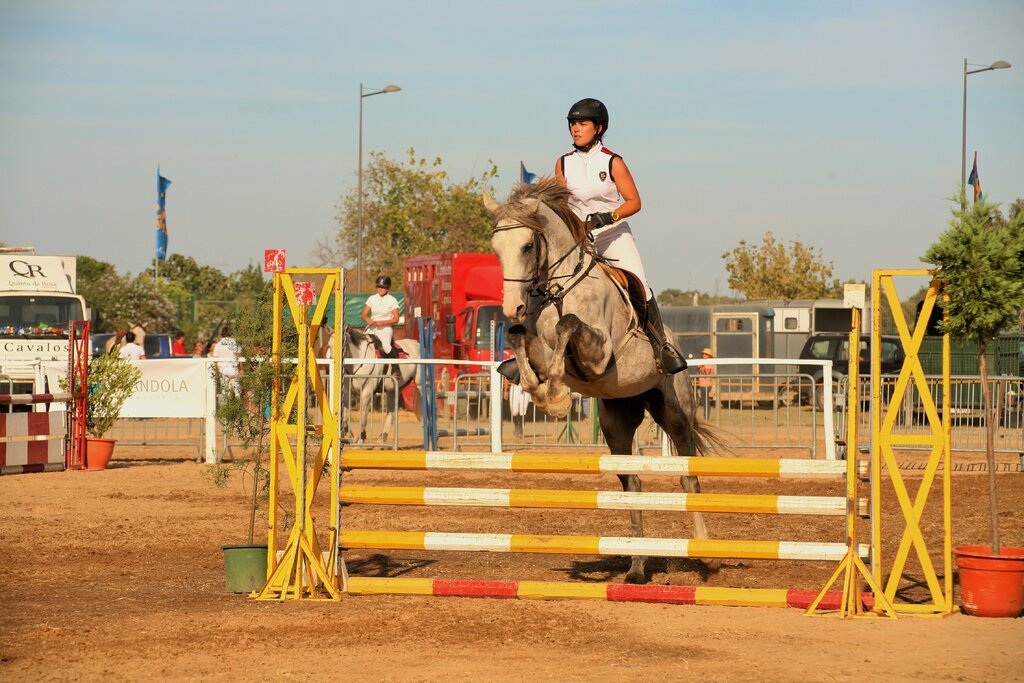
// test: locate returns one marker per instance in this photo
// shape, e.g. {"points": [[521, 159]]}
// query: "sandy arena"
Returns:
{"points": [[119, 574]]}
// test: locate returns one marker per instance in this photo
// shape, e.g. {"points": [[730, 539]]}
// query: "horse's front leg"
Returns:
{"points": [[388, 388], [365, 403], [518, 338], [590, 346], [557, 394]]}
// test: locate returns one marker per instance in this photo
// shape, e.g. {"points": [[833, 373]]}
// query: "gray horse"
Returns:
{"points": [[357, 344], [574, 331]]}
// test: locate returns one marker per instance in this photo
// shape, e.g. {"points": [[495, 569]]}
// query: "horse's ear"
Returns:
{"points": [[489, 203], [531, 205]]}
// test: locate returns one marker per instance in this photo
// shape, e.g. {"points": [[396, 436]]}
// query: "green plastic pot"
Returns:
{"points": [[245, 567]]}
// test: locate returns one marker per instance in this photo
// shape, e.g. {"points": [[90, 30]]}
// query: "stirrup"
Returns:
{"points": [[509, 369]]}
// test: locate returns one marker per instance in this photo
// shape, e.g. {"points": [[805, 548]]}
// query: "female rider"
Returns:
{"points": [[604, 195], [380, 313]]}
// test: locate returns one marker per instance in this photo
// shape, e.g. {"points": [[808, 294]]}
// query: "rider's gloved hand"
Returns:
{"points": [[599, 220]]}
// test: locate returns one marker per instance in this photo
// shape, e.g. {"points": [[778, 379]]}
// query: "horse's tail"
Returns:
{"points": [[707, 438]]}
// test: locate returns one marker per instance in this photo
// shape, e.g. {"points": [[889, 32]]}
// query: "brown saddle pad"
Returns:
{"points": [[631, 283]]}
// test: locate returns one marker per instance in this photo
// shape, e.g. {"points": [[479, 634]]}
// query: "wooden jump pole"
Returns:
{"points": [[595, 500], [765, 468]]}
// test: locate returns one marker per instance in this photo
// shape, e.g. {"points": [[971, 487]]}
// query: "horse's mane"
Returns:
{"points": [[553, 194]]}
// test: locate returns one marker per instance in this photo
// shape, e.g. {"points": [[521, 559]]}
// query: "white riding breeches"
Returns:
{"points": [[384, 333], [616, 243]]}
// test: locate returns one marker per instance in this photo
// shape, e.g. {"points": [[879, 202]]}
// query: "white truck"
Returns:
{"points": [[38, 301]]}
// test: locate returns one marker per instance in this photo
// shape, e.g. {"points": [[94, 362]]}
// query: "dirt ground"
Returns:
{"points": [[119, 574]]}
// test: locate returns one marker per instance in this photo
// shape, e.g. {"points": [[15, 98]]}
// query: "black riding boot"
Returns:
{"points": [[671, 360], [509, 369]]}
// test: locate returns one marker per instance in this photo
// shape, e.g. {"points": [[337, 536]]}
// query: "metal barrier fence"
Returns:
{"points": [[776, 410], [755, 410], [967, 422]]}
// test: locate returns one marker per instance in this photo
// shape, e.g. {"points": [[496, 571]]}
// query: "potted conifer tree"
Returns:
{"points": [[981, 264], [112, 381]]}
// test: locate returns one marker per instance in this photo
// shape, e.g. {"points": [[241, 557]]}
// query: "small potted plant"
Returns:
{"points": [[981, 265], [112, 381], [243, 411]]}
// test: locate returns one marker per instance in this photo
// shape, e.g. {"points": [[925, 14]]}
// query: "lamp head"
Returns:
{"points": [[395, 88]]}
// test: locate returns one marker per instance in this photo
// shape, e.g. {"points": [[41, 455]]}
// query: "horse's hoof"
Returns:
{"points": [[713, 565], [559, 408], [636, 577]]}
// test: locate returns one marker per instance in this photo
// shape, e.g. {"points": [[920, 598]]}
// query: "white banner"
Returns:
{"points": [[169, 388]]}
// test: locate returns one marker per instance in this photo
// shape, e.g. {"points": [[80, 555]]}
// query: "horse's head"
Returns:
{"points": [[526, 230]]}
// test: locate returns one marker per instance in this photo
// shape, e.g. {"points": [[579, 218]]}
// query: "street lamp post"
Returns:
{"points": [[363, 94], [963, 148]]}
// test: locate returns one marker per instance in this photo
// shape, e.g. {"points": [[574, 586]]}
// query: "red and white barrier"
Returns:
{"points": [[32, 442]]}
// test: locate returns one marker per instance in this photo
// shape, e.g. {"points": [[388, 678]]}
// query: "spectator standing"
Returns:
{"points": [[705, 382], [197, 349], [130, 349], [227, 350], [178, 347]]}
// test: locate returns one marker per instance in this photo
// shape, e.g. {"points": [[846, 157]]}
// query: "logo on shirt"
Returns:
{"points": [[603, 176]]}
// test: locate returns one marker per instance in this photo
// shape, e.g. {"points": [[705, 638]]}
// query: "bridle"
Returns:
{"points": [[542, 286]]}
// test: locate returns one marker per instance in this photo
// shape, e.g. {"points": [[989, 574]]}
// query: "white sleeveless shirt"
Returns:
{"points": [[588, 176]]}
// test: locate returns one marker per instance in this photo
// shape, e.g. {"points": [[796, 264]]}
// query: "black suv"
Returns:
{"points": [[835, 346]]}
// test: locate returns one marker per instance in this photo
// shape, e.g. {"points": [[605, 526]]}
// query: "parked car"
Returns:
{"points": [[835, 346], [155, 345]]}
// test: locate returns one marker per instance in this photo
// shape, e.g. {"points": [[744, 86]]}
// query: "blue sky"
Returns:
{"points": [[835, 123]]}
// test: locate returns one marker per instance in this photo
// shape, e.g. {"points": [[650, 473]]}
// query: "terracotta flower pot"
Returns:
{"points": [[991, 585], [98, 452]]}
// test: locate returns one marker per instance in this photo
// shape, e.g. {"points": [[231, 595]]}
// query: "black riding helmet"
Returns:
{"points": [[590, 109], [384, 281]]}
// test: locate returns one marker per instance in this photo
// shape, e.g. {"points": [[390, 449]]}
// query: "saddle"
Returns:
{"points": [[396, 352], [632, 287]]}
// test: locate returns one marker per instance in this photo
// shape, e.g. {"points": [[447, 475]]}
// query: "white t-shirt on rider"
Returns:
{"points": [[382, 308]]}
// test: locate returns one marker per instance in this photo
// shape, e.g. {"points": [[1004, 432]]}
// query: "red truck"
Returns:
{"points": [[462, 293]]}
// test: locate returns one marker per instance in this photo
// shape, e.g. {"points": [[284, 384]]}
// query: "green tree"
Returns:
{"points": [[206, 282], [774, 271], [981, 264], [678, 297], [90, 269], [408, 208], [121, 301]]}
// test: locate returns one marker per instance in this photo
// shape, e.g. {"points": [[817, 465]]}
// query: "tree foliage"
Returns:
{"points": [[123, 301], [408, 208], [981, 265], [678, 297], [773, 270], [167, 305]]}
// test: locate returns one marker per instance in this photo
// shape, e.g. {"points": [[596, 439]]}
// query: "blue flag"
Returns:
{"points": [[525, 176], [975, 181], [161, 215]]}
